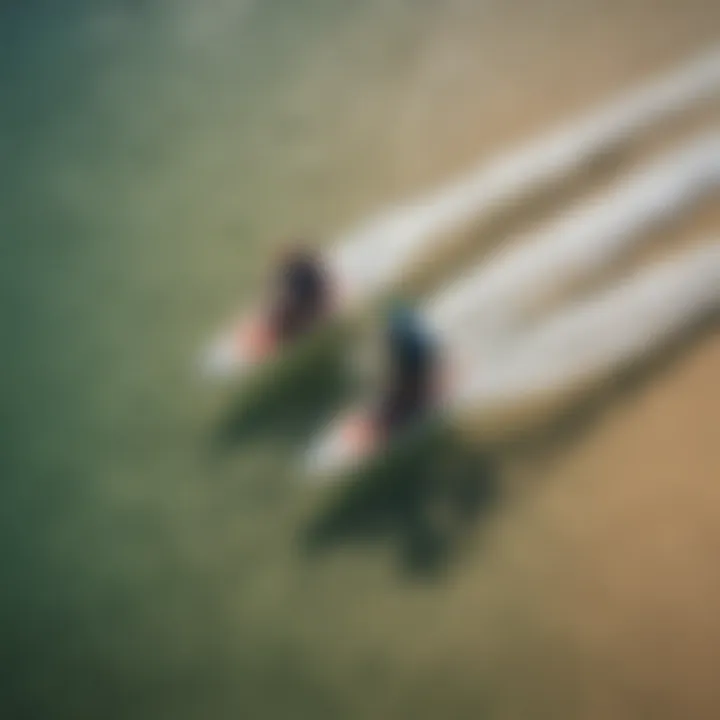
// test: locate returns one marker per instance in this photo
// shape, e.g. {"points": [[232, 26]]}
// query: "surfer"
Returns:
{"points": [[301, 293], [412, 368]]}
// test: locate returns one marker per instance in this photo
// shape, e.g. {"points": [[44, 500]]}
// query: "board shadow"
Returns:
{"points": [[424, 503], [287, 412]]}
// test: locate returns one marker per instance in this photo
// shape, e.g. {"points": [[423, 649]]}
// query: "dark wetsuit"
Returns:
{"points": [[413, 361], [302, 296]]}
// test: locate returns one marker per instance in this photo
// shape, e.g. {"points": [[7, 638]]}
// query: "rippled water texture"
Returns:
{"points": [[152, 156]]}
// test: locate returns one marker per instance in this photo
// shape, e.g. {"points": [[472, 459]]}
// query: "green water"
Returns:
{"points": [[153, 154]]}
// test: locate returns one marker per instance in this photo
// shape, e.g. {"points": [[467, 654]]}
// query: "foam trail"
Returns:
{"points": [[528, 377], [582, 242], [595, 338], [375, 255]]}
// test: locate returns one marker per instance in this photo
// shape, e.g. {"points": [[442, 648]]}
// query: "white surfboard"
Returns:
{"points": [[479, 317], [571, 352], [369, 260], [492, 298]]}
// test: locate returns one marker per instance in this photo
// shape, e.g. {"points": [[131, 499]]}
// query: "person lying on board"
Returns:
{"points": [[301, 293], [413, 368]]}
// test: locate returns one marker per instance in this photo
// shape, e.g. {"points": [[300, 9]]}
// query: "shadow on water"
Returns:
{"points": [[423, 501], [289, 400], [426, 500]]}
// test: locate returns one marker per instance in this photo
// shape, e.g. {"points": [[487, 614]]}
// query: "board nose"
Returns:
{"points": [[343, 444]]}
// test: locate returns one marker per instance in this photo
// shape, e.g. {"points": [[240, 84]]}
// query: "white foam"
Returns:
{"points": [[582, 242], [368, 259], [595, 338]]}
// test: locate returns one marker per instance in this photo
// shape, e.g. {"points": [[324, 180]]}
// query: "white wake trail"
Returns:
{"points": [[595, 338], [374, 256], [487, 303], [551, 364]]}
